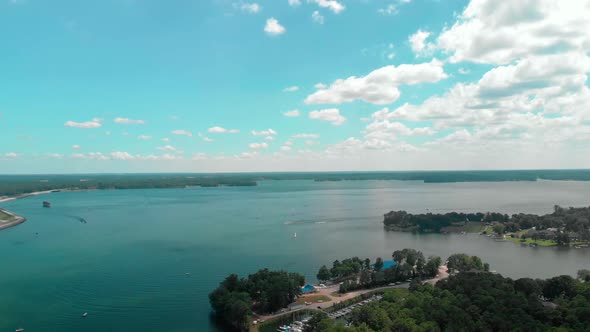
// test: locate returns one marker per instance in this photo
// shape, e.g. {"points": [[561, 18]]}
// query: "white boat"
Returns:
{"points": [[85, 314], [295, 235], [20, 330]]}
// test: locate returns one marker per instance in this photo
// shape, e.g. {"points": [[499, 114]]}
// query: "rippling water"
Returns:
{"points": [[122, 256]]}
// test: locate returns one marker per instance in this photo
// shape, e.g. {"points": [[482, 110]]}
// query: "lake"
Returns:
{"points": [[127, 264]]}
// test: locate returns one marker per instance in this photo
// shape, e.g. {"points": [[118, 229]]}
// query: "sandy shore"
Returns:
{"points": [[16, 219], [12, 198]]}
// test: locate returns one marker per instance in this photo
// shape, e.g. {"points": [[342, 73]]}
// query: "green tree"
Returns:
{"points": [[499, 228], [323, 273]]}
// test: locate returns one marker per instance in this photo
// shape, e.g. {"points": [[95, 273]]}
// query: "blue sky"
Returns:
{"points": [[146, 85]]}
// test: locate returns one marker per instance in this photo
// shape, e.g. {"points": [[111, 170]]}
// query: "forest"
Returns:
{"points": [[474, 301], [265, 291]]}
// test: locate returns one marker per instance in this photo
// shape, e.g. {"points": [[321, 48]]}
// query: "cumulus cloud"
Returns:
{"points": [[317, 17], [419, 44], [76, 147], [320, 86], [94, 123], [182, 132], [128, 121], [291, 89], [294, 3], [11, 155], [144, 137], [166, 148], [333, 5], [304, 135], [120, 155], [499, 32], [388, 10], [380, 86], [331, 115], [273, 27], [292, 113], [258, 146], [267, 132], [251, 8], [221, 130]]}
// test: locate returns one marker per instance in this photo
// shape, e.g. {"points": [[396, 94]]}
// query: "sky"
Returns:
{"points": [[293, 85]]}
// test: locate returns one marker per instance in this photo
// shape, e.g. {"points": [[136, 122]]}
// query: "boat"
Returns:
{"points": [[295, 235], [85, 314], [46, 204], [20, 330]]}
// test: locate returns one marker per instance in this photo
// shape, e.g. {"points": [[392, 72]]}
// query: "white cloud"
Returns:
{"points": [[380, 86], [54, 155], [267, 132], [94, 123], [251, 8], [144, 137], [390, 9], [273, 27], [292, 113], [119, 155], [291, 89], [128, 121], [76, 147], [165, 139], [182, 132], [221, 130], [11, 155], [269, 138], [286, 148], [258, 146], [90, 156], [294, 3], [166, 148], [335, 6], [312, 136], [317, 17], [331, 115], [208, 140], [419, 44], [499, 32], [320, 86]]}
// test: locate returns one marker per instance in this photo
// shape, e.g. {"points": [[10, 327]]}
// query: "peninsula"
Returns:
{"points": [[562, 227], [9, 219]]}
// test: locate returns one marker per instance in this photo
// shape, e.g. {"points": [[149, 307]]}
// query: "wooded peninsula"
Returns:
{"points": [[562, 227]]}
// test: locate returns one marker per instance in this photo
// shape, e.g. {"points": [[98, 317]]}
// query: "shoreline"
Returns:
{"points": [[17, 220]]}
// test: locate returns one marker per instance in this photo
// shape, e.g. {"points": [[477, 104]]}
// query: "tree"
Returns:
{"points": [[378, 264], [559, 286], [584, 275], [323, 274], [431, 267], [499, 229]]}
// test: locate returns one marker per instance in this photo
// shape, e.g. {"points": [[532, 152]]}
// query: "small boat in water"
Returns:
{"points": [[20, 330], [46, 204], [85, 314]]}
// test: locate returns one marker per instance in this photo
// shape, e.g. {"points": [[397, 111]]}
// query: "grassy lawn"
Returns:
{"points": [[5, 217], [313, 299], [542, 243]]}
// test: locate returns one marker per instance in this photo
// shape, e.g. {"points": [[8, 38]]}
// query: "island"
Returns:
{"points": [[357, 295], [9, 219], [563, 227]]}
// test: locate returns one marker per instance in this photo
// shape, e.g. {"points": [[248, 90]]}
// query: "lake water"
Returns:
{"points": [[126, 266]]}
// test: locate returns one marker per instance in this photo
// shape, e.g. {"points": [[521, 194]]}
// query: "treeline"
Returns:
{"points": [[474, 302], [359, 274], [264, 292], [569, 220], [19, 185]]}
